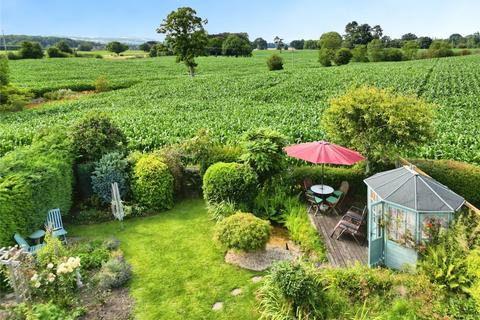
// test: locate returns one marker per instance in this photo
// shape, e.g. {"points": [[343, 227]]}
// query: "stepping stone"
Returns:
{"points": [[217, 306], [257, 279], [236, 292]]}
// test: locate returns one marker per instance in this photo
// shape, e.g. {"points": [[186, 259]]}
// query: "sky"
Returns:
{"points": [[290, 20]]}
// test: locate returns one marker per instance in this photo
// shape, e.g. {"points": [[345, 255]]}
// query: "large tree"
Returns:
{"points": [[297, 44], [279, 43], [330, 42], [31, 50], [409, 36], [116, 47], [375, 50], [410, 49], [361, 33], [236, 45], [455, 39], [424, 42], [186, 35], [378, 123], [260, 44]]}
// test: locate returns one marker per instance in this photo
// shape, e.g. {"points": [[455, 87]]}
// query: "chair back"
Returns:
{"points": [[54, 219], [307, 184], [21, 241], [344, 186], [364, 213], [310, 197]]}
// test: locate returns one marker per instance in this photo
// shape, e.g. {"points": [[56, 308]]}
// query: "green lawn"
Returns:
{"points": [[179, 272]]}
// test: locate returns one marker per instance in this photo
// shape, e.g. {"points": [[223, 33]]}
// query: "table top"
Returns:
{"points": [[37, 234], [321, 189]]}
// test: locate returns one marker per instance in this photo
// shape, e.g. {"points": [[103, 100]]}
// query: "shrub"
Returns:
{"points": [[236, 45], [272, 201], [275, 62], [375, 50], [64, 47], [45, 311], [465, 52], [342, 56], [35, 179], [54, 52], [230, 181], [392, 54], [264, 151], [440, 49], [95, 135], [59, 94], [13, 99], [304, 233], [243, 231], [325, 57], [30, 50], [4, 71], [52, 252], [111, 168], [221, 210], [172, 157], [114, 274], [101, 84], [359, 53], [92, 254], [461, 177], [152, 183]]}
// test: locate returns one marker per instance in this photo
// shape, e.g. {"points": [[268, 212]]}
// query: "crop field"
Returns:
{"points": [[157, 103]]}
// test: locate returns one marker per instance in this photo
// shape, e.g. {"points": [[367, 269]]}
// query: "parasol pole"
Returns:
{"points": [[323, 166]]}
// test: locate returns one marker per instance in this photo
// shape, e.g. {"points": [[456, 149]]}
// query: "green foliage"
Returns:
{"points": [[275, 62], [378, 123], [243, 231], [359, 53], [264, 151], [64, 47], [172, 157], [31, 50], [325, 57], [116, 47], [304, 233], [33, 180], [410, 49], [45, 311], [342, 56], [236, 46], [234, 182], [439, 49], [101, 84], [54, 52], [311, 44], [273, 201], [52, 252], [85, 46], [152, 183], [260, 44], [185, 33], [4, 71], [459, 176], [115, 273], [330, 40], [95, 135], [59, 94], [112, 167], [392, 54], [375, 50], [221, 210], [13, 99]]}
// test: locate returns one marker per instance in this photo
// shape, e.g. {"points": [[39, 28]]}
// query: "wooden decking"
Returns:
{"points": [[344, 251]]}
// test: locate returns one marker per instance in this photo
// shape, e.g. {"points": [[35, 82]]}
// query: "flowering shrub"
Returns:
{"points": [[114, 273]]}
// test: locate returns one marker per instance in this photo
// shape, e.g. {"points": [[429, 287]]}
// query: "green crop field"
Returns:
{"points": [[160, 104]]}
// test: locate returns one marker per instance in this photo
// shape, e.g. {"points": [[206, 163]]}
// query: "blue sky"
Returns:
{"points": [[290, 20]]}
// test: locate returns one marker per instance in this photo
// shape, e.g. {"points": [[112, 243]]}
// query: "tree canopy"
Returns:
{"points": [[31, 50], [378, 123], [356, 34], [185, 33], [116, 47], [236, 46], [260, 44]]}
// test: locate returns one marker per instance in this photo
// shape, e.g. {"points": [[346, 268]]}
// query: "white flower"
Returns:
{"points": [[50, 265], [51, 277], [34, 277], [37, 284]]}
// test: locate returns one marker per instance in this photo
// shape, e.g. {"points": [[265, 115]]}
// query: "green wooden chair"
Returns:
{"points": [[25, 246], [338, 193], [333, 202], [314, 203], [54, 222]]}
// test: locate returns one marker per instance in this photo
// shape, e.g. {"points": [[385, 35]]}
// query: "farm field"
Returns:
{"points": [[162, 105]]}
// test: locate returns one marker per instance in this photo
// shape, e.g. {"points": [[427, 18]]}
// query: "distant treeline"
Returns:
{"points": [[14, 42]]}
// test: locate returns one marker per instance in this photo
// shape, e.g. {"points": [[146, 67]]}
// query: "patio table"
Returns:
{"points": [[37, 235], [322, 190]]}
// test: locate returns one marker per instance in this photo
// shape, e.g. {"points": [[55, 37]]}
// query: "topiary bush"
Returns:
{"points": [[342, 56], [95, 135], [111, 168], [243, 231], [461, 177], [233, 182], [152, 183], [275, 62]]}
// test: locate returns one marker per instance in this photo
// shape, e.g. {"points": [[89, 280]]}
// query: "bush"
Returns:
{"points": [[235, 45], [35, 179], [94, 136], [342, 56], [45, 311], [54, 52], [59, 94], [172, 157], [101, 84], [465, 52], [152, 183], [440, 49], [243, 231], [304, 233], [461, 177], [92, 254], [52, 252], [325, 57], [13, 99], [375, 50], [359, 53], [275, 62], [4, 71], [114, 274], [221, 210], [272, 201], [264, 151], [392, 54], [30, 50], [111, 168], [230, 182]]}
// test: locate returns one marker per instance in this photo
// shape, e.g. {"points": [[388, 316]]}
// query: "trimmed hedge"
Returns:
{"points": [[152, 183], [233, 182], [461, 177], [33, 180], [333, 177]]}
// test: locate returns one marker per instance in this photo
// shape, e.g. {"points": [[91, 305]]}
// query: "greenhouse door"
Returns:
{"points": [[375, 235], [400, 238]]}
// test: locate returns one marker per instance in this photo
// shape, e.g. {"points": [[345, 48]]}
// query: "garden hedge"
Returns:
{"points": [[33, 180], [461, 177], [234, 182]]}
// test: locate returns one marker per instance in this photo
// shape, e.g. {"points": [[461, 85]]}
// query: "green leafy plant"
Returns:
{"points": [[275, 62], [221, 210], [243, 231], [111, 168], [114, 273], [102, 84], [152, 183]]}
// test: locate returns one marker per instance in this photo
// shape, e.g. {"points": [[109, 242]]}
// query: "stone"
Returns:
{"points": [[257, 279], [217, 306], [236, 292]]}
